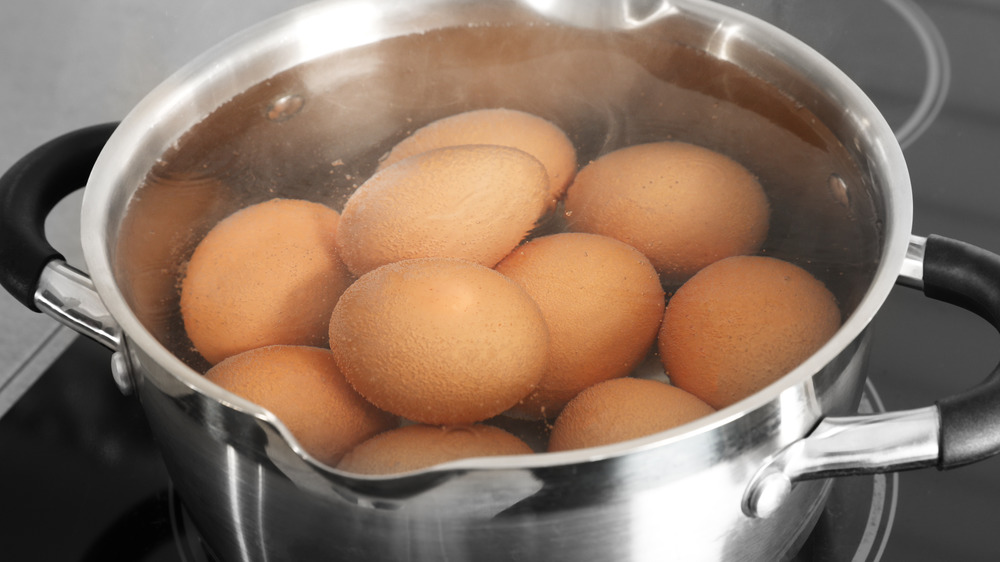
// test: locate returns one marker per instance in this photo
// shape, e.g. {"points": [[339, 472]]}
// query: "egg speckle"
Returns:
{"points": [[681, 205], [304, 389], [505, 127], [621, 409], [603, 303], [742, 323], [414, 447], [473, 202], [267, 274], [439, 341]]}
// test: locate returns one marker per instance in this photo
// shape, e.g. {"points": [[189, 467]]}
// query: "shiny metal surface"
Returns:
{"points": [[256, 495], [847, 445], [68, 295], [912, 272], [121, 372], [261, 499]]}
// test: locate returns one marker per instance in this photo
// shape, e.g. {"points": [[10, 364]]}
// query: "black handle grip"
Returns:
{"points": [[28, 192], [967, 276]]}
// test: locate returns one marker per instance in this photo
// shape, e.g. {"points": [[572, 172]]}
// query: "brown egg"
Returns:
{"points": [[267, 274], [681, 205], [470, 202], [505, 127], [439, 341], [603, 304], [742, 323], [621, 409], [304, 389], [414, 447]]}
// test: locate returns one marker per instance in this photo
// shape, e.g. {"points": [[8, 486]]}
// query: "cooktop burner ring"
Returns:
{"points": [[938, 78], [845, 530], [885, 496]]}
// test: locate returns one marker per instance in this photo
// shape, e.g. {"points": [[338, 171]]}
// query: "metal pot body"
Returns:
{"points": [[254, 498], [252, 491]]}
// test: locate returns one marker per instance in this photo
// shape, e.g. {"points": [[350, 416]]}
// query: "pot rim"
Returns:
{"points": [[883, 151]]}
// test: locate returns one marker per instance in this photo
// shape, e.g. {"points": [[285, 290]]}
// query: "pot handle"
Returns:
{"points": [[957, 430], [32, 270]]}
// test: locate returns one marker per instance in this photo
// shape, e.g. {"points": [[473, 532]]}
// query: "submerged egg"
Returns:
{"points": [[621, 409], [681, 205], [439, 341], [603, 303], [414, 447], [472, 202], [267, 274], [505, 127], [304, 389], [742, 323]]}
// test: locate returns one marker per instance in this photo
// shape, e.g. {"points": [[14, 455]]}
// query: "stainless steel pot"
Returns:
{"points": [[339, 82]]}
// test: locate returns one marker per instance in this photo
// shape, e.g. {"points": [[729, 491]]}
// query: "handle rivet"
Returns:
{"points": [[770, 492], [121, 373]]}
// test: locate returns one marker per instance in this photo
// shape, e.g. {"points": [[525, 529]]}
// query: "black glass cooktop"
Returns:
{"points": [[80, 478]]}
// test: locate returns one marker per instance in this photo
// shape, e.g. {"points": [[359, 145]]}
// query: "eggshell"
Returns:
{"points": [[742, 323], [472, 202], [439, 341], [621, 409], [602, 302], [267, 274], [414, 447], [681, 205], [304, 389], [505, 127]]}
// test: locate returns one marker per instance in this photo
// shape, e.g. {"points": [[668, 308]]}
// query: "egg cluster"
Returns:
{"points": [[392, 336]]}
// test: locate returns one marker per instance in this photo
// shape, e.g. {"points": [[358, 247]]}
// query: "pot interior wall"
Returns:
{"points": [[316, 132]]}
